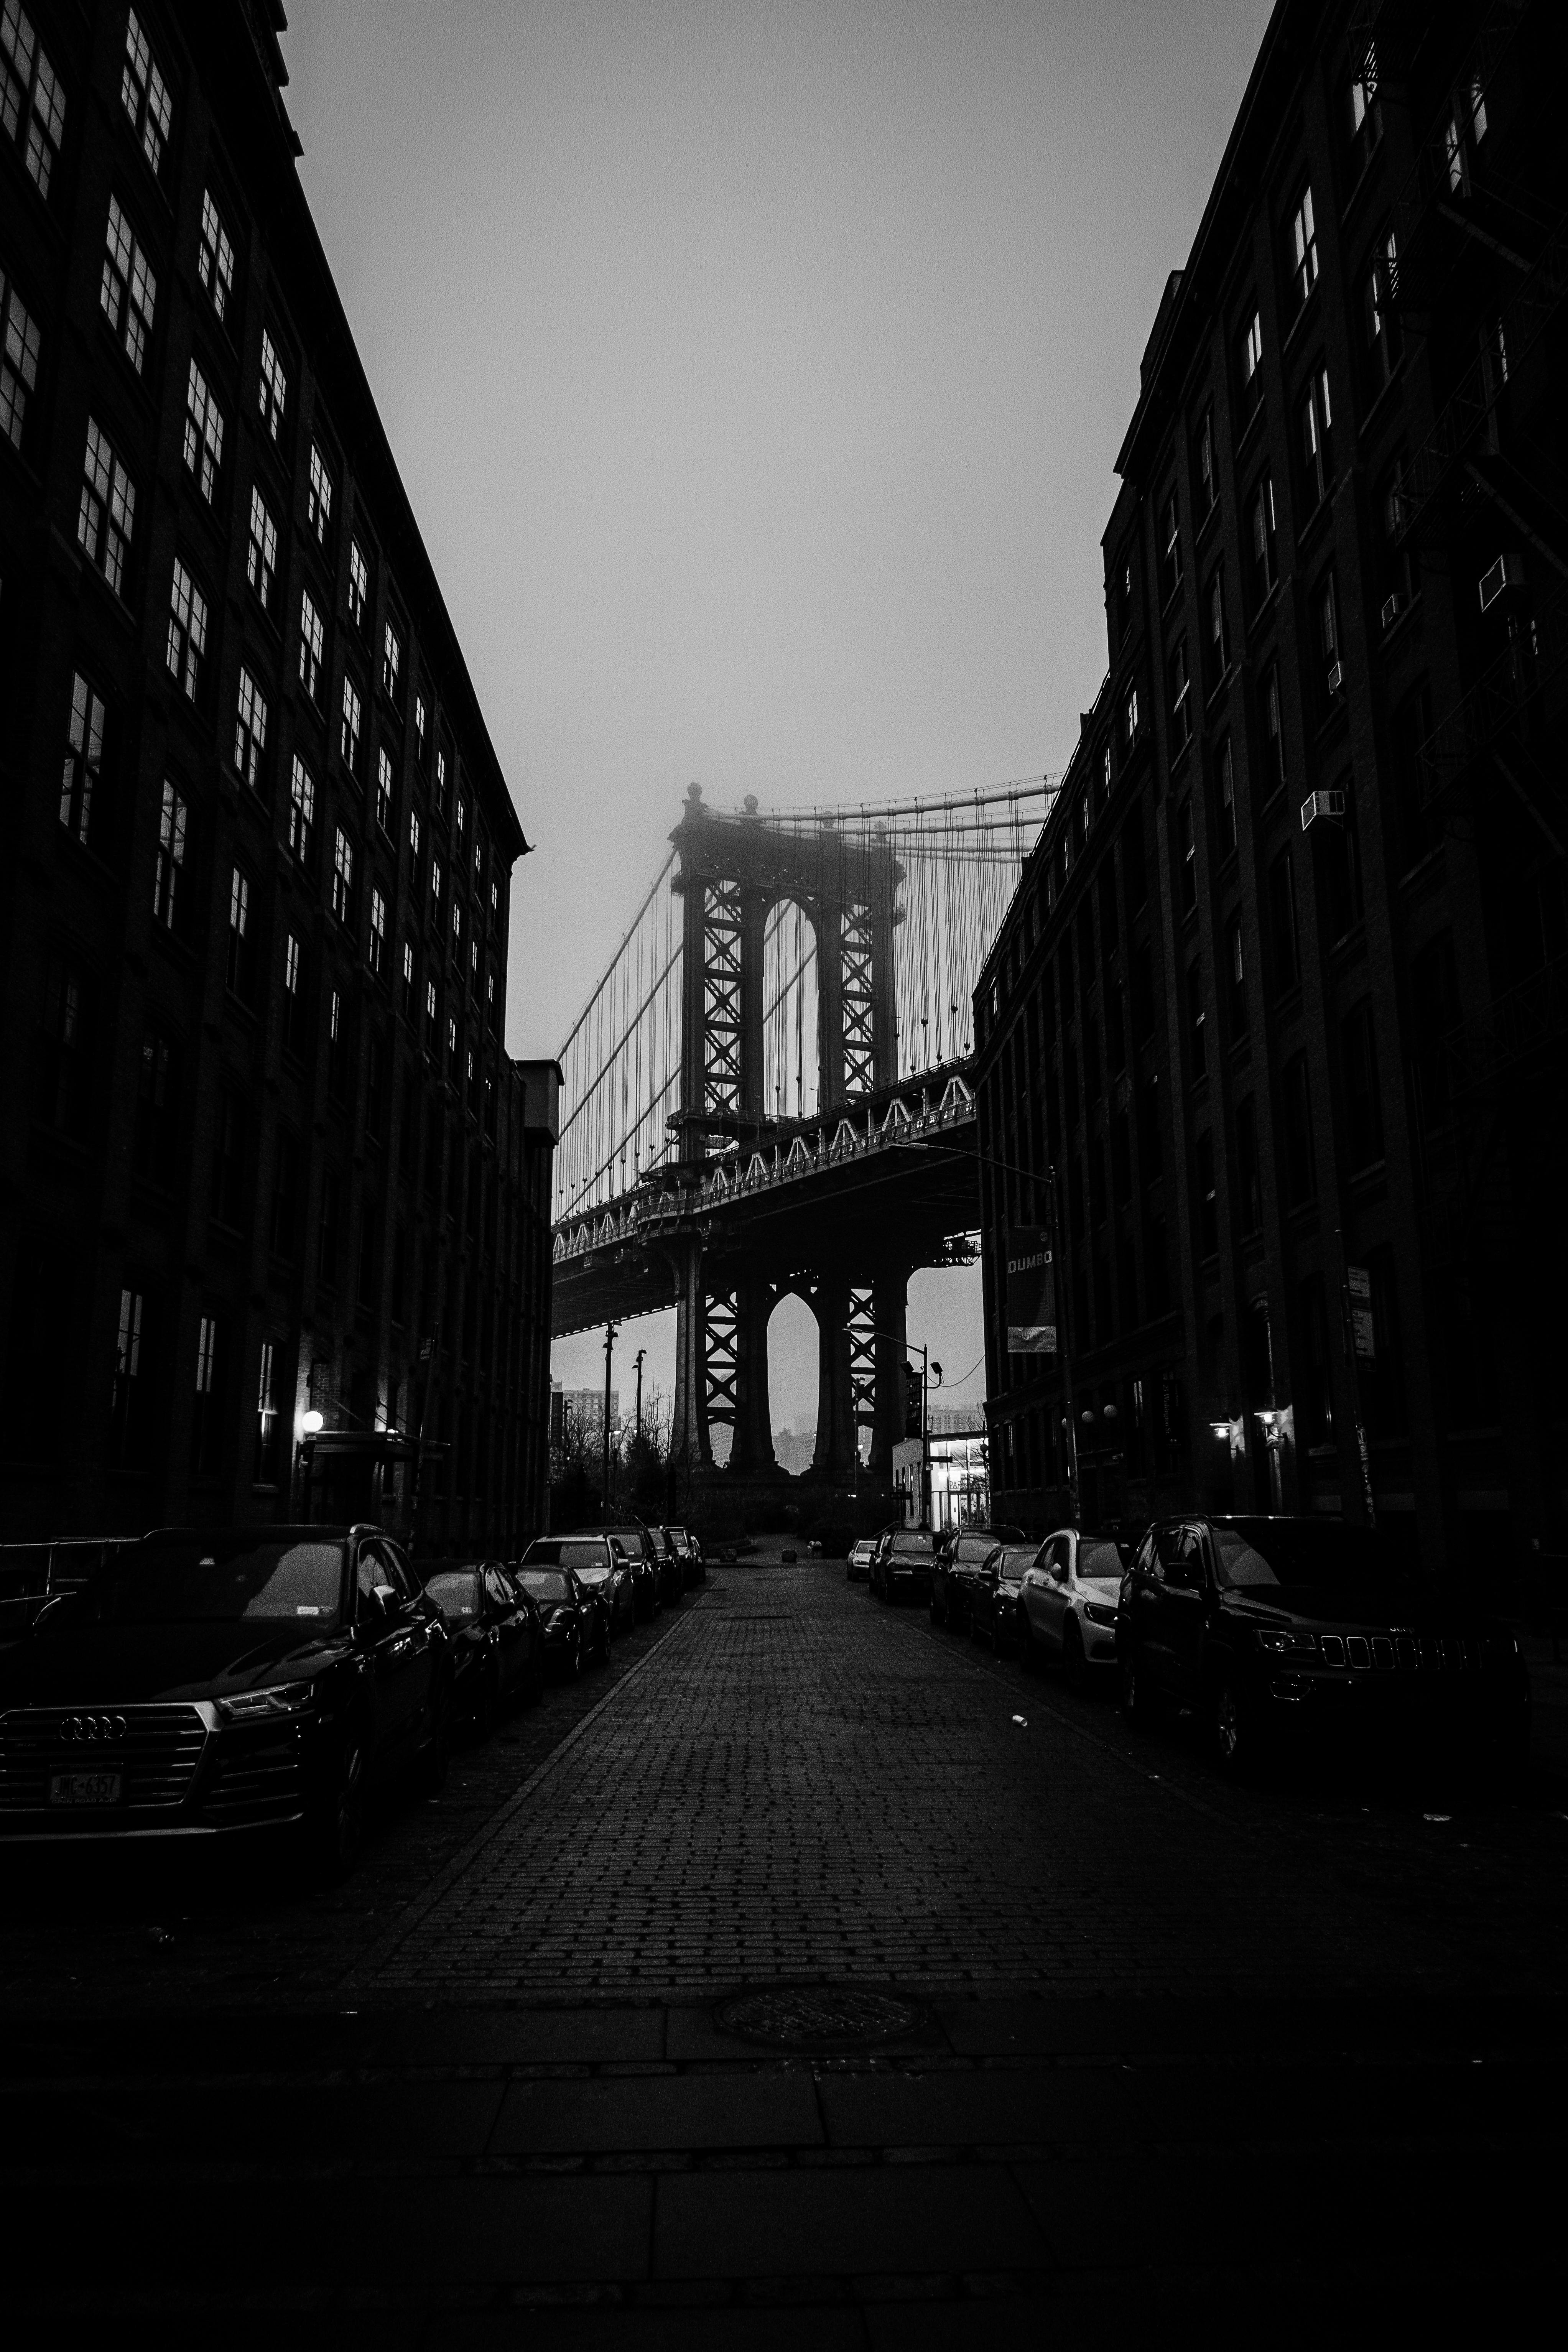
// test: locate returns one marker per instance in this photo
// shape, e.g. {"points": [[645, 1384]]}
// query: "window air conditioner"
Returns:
{"points": [[1508, 572], [1336, 677], [1392, 608], [1322, 805]]}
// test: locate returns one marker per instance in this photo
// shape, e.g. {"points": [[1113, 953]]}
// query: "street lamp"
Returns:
{"points": [[312, 1424]]}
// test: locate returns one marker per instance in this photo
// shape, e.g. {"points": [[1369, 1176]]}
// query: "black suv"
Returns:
{"points": [[903, 1564], [1274, 1627]]}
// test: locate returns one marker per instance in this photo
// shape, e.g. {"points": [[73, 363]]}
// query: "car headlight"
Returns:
{"points": [[1280, 1644], [1100, 1612], [258, 1706]]}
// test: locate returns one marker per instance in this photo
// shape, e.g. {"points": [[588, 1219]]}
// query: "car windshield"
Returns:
{"points": [[580, 1552], [915, 1539], [971, 1547], [455, 1593], [217, 1580], [544, 1583], [1253, 1553], [1097, 1556]]}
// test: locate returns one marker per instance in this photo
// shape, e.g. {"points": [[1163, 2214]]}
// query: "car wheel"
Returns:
{"points": [[1232, 1732], [334, 1831], [1137, 1698], [1075, 1665]]}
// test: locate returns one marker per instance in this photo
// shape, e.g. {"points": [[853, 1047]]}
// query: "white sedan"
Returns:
{"points": [[858, 1567], [1067, 1602]]}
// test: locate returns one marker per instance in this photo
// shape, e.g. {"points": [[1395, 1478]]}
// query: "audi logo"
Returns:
{"points": [[88, 1729]]}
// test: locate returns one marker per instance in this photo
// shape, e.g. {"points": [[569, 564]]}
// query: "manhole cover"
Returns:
{"points": [[806, 2016]]}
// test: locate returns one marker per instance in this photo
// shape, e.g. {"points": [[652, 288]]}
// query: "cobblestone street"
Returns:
{"points": [[517, 2011]]}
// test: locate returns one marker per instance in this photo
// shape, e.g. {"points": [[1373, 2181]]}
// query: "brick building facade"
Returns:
{"points": [[263, 1153], [1280, 995]]}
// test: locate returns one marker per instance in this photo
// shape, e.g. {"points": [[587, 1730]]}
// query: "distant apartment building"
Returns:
{"points": [[274, 1201], [1280, 998]]}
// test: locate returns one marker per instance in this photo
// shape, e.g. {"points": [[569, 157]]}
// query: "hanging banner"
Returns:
{"points": [[1031, 1293]]}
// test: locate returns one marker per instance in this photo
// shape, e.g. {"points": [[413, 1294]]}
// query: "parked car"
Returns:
{"points": [[960, 1551], [879, 1542], [1271, 1628], [647, 1563], [671, 1567], [857, 1567], [1067, 1608], [904, 1565], [227, 1680], [597, 1562], [994, 1608], [576, 1622], [497, 1640], [694, 1567]]}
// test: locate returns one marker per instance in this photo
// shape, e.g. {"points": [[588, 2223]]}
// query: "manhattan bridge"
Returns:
{"points": [[770, 1092]]}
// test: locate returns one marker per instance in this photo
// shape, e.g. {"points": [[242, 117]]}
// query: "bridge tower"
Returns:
{"points": [[731, 873]]}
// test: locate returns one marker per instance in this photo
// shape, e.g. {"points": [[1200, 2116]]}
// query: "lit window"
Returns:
{"points": [[319, 499], [1130, 715], [32, 103], [384, 789], [1317, 426], [1378, 322], [128, 290], [1227, 780], [19, 346], [266, 1420], [215, 256], [107, 509], [391, 662], [239, 930], [353, 717], [1251, 367], [377, 931], [436, 880], [1364, 109], [407, 978], [432, 1014], [272, 388], [359, 583], [342, 877], [145, 94], [83, 759], [457, 922], [1262, 543], [413, 836], [1303, 248], [187, 638], [173, 820], [419, 729], [301, 811], [249, 728], [441, 782], [479, 862], [261, 550], [311, 640], [462, 813], [203, 432], [451, 1041]]}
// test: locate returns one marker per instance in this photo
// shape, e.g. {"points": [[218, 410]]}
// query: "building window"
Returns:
{"points": [[32, 102], [272, 388], [377, 949], [1325, 603], [157, 1096], [203, 432], [1224, 781], [313, 640], [1395, 575], [1262, 543], [436, 885], [1363, 111], [337, 1049], [353, 718], [301, 812], [1283, 923], [127, 1409], [1250, 1190], [187, 639], [1463, 133], [419, 729], [391, 663], [1236, 972], [1300, 1172], [359, 583], [458, 925], [1208, 1198], [1217, 652], [1339, 867], [1130, 714], [62, 1093], [1250, 358], [1273, 736], [83, 769], [1197, 1023], [342, 877], [1303, 248], [1317, 419], [414, 840], [237, 975], [319, 499], [1170, 549], [266, 1418], [1380, 327], [144, 94], [19, 347], [440, 783], [461, 815], [1186, 860], [1314, 1390], [249, 729], [174, 821], [493, 1008], [294, 996], [432, 1016], [1358, 1063], [384, 789], [1181, 697], [451, 1044], [1203, 467], [206, 1420], [107, 509], [261, 553], [214, 257], [408, 984]]}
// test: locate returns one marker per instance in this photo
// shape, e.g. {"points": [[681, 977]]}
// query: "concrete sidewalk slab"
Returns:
{"points": [[626, 2113], [910, 2220]]}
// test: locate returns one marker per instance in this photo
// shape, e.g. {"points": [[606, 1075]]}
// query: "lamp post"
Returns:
{"points": [[609, 1356], [638, 1359]]}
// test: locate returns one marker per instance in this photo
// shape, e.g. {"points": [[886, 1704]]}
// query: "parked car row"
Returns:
{"points": [[1270, 1633], [200, 1682]]}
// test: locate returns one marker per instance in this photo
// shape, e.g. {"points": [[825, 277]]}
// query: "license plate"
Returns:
{"points": [[85, 1787]]}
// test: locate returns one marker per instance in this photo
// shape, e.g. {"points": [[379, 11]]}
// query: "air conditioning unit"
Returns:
{"points": [[1508, 572], [1336, 677], [1322, 805], [1392, 608]]}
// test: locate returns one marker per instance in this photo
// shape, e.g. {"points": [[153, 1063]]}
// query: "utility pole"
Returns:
{"points": [[640, 1354], [609, 1355]]}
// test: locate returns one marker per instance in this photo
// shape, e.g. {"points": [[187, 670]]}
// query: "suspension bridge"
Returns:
{"points": [[769, 1092]]}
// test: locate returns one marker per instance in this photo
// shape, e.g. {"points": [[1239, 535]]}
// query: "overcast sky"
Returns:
{"points": [[756, 374]]}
